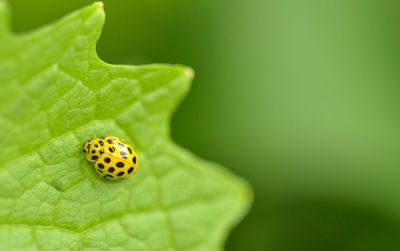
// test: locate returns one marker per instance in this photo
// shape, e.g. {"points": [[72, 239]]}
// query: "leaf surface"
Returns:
{"points": [[55, 93]]}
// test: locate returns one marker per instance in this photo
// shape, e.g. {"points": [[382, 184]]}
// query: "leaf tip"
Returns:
{"points": [[100, 5], [189, 73], [99, 8], [245, 193], [187, 76]]}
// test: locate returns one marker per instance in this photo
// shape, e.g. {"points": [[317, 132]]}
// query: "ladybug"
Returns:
{"points": [[112, 157]]}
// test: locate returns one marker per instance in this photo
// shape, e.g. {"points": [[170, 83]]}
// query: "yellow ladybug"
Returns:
{"points": [[112, 157]]}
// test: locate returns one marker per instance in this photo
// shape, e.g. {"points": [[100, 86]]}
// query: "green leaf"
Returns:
{"points": [[55, 93]]}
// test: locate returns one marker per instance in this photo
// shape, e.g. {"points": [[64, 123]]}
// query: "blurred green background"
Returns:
{"points": [[300, 97]]}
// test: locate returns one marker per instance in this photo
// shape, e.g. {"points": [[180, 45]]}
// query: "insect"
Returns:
{"points": [[112, 157]]}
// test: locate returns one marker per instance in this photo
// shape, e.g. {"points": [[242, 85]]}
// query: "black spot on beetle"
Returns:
{"points": [[101, 143], [130, 170], [111, 149], [93, 151], [111, 169], [109, 176], [110, 141], [121, 146], [134, 160], [101, 151], [120, 174], [101, 166], [129, 150], [120, 164], [124, 155], [107, 160], [94, 157]]}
